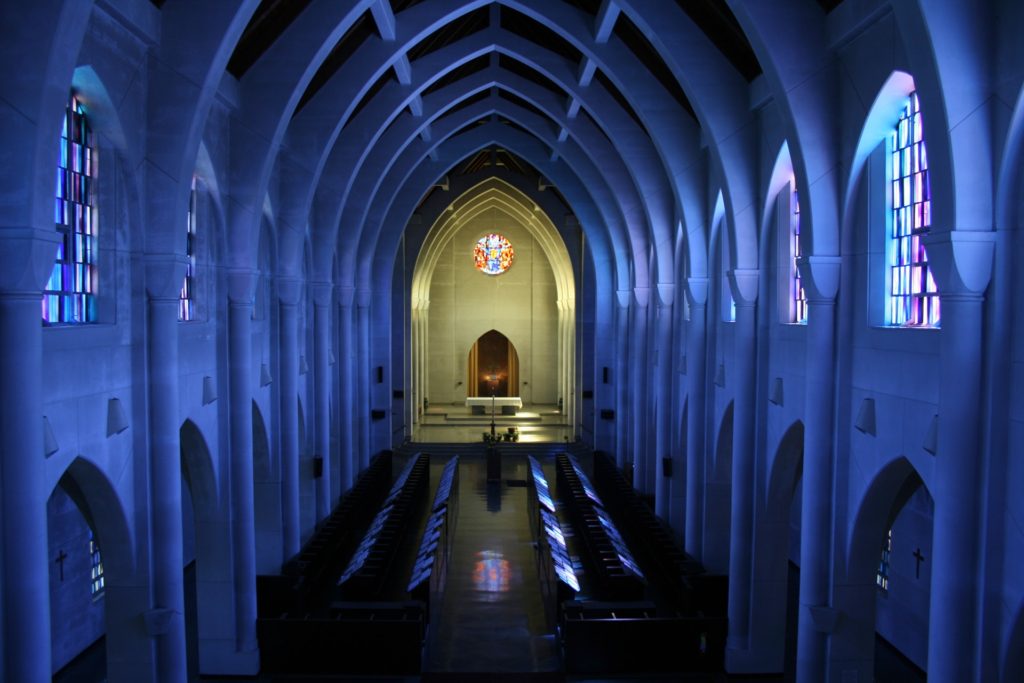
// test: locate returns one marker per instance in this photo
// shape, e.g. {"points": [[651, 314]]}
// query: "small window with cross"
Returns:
{"points": [[98, 582], [882, 576]]}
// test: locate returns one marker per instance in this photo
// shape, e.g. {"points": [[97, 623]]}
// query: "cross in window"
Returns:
{"points": [[920, 558], [61, 556]]}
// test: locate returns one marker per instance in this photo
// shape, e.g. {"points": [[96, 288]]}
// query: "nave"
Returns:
{"points": [[760, 253]]}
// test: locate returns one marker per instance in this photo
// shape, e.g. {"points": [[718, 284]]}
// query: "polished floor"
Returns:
{"points": [[492, 618]]}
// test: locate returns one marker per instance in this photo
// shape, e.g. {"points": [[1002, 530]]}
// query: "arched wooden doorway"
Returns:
{"points": [[493, 366]]}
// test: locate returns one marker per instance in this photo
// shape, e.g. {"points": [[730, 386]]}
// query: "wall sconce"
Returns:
{"points": [[117, 420], [865, 421]]}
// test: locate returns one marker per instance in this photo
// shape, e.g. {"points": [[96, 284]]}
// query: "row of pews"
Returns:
{"points": [[340, 606], [675, 572], [633, 602], [558, 580], [430, 568]]}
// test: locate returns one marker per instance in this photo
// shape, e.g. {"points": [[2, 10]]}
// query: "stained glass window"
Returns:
{"points": [[913, 296], [70, 294], [796, 286], [187, 303], [882, 575], [98, 582], [493, 254]]}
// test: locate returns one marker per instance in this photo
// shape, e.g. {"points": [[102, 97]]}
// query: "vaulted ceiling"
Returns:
{"points": [[619, 106]]}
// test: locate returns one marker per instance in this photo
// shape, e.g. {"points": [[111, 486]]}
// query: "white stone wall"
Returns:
{"points": [[520, 303]]}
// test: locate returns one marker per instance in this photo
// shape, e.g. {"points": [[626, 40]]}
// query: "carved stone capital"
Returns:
{"points": [[346, 295], [820, 276], [289, 290], [165, 274], [241, 285], [322, 293], [364, 297], [642, 296], [666, 293], [624, 297], [743, 282], [697, 290], [27, 258], [961, 261]]}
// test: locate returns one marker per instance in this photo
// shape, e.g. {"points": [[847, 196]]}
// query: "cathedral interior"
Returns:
{"points": [[511, 340]]}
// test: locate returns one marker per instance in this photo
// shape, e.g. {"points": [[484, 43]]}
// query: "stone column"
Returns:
{"points": [[677, 487], [163, 283], [663, 382], [741, 536], [346, 424], [243, 520], [820, 275], [322, 387], [27, 261], [622, 441], [638, 418], [289, 291], [361, 374], [696, 357], [961, 263]]}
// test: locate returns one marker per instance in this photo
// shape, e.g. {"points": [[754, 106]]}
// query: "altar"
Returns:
{"points": [[506, 405]]}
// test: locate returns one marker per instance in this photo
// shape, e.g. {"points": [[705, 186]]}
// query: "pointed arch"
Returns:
{"points": [[718, 514], [769, 608], [853, 642], [266, 498], [213, 548], [126, 596]]}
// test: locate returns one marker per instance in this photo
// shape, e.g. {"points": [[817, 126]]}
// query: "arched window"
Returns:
{"points": [[70, 294], [187, 303], [913, 297], [882, 574], [798, 297], [97, 581]]}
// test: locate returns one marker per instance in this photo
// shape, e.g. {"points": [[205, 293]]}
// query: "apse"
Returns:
{"points": [[492, 259]]}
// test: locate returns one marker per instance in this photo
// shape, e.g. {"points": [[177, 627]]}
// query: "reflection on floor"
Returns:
{"points": [[492, 618]]}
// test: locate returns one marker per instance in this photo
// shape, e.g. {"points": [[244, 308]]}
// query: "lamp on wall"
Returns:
{"points": [[209, 390], [865, 421], [49, 440], [117, 420]]}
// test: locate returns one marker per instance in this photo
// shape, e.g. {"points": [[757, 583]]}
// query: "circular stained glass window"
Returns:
{"points": [[493, 254]]}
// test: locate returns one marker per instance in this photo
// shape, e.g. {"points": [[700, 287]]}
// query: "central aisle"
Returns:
{"points": [[491, 618]]}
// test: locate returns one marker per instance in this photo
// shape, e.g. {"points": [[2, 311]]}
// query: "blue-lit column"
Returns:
{"points": [[961, 262], [622, 441], [741, 536], [26, 584], [164, 275], [241, 284], [677, 487], [663, 382], [346, 426], [696, 352], [289, 291], [361, 374], [638, 387], [820, 276], [322, 387]]}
